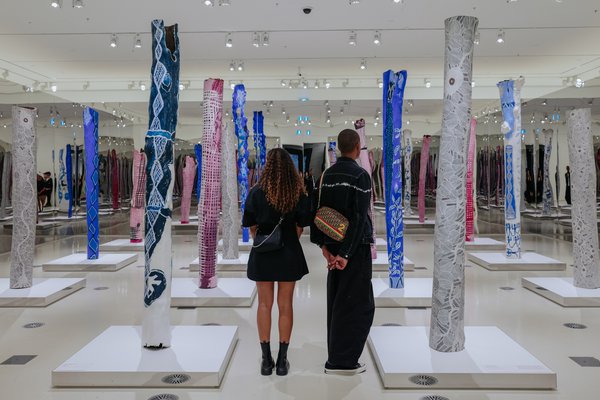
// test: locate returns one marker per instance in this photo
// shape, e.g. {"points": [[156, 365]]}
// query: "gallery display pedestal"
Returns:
{"points": [[416, 293], [78, 262], [381, 263], [484, 244], [122, 245], [490, 360], [381, 244], [190, 226], [562, 291], [529, 261], [536, 215], [64, 218], [198, 357], [236, 264], [413, 225], [39, 227], [242, 246], [230, 292], [42, 293]]}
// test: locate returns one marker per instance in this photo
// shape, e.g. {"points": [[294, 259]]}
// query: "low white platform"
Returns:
{"points": [[177, 225], [63, 218], [238, 264], [230, 292], [416, 293], [40, 226], [106, 262], [485, 244], [381, 244], [539, 216], [8, 218], [122, 245], [562, 291], [490, 360], [199, 355], [414, 224], [529, 261], [243, 246], [43, 292], [381, 263], [105, 213]]}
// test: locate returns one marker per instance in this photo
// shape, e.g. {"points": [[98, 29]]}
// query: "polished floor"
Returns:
{"points": [[534, 322]]}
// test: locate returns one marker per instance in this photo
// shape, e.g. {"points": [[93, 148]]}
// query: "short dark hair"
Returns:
{"points": [[347, 140]]}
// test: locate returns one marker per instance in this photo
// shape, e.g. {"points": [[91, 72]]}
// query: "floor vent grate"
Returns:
{"points": [[176, 379], [423, 380]]}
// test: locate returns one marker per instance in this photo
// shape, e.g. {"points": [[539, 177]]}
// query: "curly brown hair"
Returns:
{"points": [[281, 181]]}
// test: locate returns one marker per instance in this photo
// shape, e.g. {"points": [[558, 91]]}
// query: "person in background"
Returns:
{"points": [[48, 186], [346, 188], [278, 197]]}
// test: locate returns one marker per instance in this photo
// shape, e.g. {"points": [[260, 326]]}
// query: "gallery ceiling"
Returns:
{"points": [[549, 42]]}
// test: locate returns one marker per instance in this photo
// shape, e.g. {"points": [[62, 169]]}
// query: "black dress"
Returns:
{"points": [[288, 263]]}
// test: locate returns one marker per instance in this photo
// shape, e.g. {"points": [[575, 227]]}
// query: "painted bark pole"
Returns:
{"points": [[229, 195], [448, 301], [407, 151], [69, 177], [548, 196], [189, 173], [6, 171], [138, 198], [364, 162], [241, 131], [393, 96], [198, 151], [210, 198], [585, 222], [423, 177], [115, 179], [164, 94], [331, 154], [259, 142], [510, 98], [470, 211], [90, 132], [24, 197]]}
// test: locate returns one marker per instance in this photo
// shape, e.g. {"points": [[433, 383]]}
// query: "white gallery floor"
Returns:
{"points": [[115, 299]]}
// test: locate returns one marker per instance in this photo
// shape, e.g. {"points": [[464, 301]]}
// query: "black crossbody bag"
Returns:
{"points": [[265, 243]]}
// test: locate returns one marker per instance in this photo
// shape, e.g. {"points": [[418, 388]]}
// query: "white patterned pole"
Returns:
{"points": [[585, 222], [448, 302], [24, 197], [407, 150], [510, 98], [548, 196], [229, 195]]}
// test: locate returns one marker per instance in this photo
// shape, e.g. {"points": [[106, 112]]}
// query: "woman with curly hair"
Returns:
{"points": [[278, 198]]}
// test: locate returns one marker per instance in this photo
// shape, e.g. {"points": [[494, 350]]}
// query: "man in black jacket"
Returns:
{"points": [[346, 187]]}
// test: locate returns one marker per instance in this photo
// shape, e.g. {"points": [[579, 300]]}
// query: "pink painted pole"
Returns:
{"points": [[470, 160], [422, 176]]}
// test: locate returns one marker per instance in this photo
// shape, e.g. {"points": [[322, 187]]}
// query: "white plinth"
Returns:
{"points": [[42, 225], [116, 358], [122, 245], [243, 246], [107, 262], [230, 292], [562, 291], [192, 225], [416, 293], [414, 224], [105, 213], [63, 218], [237, 264], [539, 216], [43, 292], [484, 244], [529, 261], [381, 263], [381, 244], [490, 360]]}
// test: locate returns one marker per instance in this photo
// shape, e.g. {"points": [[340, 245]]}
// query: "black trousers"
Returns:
{"points": [[350, 308]]}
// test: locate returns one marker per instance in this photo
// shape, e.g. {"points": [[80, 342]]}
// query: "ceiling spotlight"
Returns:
{"points": [[500, 38], [472, 84], [379, 83], [113, 41], [142, 86], [328, 119], [353, 2], [271, 103], [256, 39], [410, 104], [398, 1], [209, 3], [342, 111], [53, 87], [283, 84], [240, 66], [579, 83], [228, 40], [304, 85], [77, 3], [427, 83], [138, 42], [377, 38], [232, 66], [181, 87], [328, 110], [352, 38], [477, 38], [544, 102], [283, 110], [287, 118], [232, 85], [224, 3], [327, 84], [316, 86], [56, 3], [265, 39], [363, 64]]}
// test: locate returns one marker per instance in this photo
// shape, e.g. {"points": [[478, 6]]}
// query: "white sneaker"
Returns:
{"points": [[359, 368]]}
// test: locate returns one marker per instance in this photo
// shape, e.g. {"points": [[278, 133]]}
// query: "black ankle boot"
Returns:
{"points": [[283, 365], [267, 365]]}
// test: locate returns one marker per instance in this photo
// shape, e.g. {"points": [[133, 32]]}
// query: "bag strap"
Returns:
{"points": [[320, 187], [271, 234]]}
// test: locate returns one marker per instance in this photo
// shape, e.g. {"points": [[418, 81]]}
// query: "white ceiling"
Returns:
{"points": [[546, 42]]}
